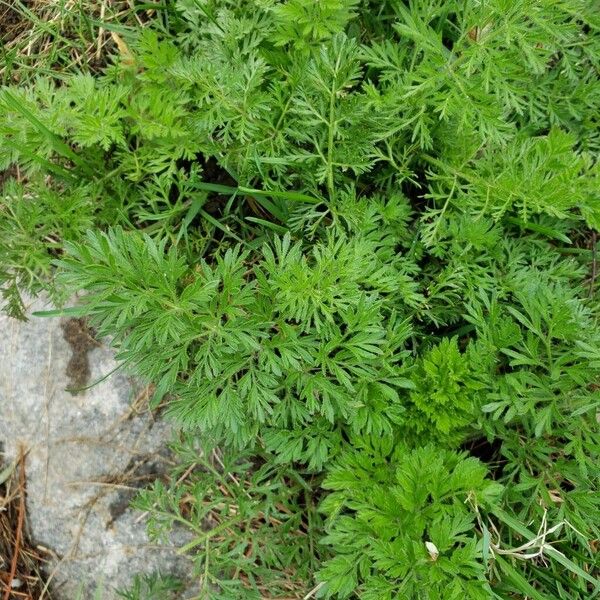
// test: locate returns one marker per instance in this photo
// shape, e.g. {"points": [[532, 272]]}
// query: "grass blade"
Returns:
{"points": [[523, 586], [59, 146]]}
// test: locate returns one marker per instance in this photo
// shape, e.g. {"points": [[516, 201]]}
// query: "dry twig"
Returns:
{"points": [[20, 521]]}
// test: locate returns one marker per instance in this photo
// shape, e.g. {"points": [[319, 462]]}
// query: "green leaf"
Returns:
{"points": [[520, 583], [59, 146]]}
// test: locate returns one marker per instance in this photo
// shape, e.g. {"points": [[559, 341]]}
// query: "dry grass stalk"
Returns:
{"points": [[21, 578]]}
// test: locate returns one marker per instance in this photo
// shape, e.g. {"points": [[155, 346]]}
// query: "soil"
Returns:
{"points": [[12, 22], [7, 174], [80, 337]]}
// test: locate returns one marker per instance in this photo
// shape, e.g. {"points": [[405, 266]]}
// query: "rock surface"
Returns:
{"points": [[86, 453]]}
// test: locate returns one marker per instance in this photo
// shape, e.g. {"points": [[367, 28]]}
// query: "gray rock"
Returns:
{"points": [[86, 453]]}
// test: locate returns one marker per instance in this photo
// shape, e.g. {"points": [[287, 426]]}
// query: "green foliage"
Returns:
{"points": [[152, 587], [401, 523], [354, 244], [35, 222], [292, 350], [446, 395], [303, 24], [252, 526]]}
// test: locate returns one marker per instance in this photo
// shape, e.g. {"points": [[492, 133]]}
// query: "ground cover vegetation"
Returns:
{"points": [[353, 246]]}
